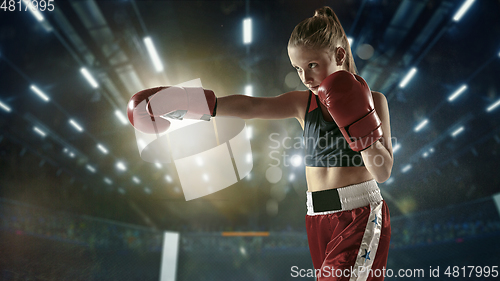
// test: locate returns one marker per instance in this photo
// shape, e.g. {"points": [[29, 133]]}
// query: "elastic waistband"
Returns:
{"points": [[342, 199]]}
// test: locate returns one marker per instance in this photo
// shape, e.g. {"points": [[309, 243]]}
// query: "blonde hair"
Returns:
{"points": [[323, 30]]}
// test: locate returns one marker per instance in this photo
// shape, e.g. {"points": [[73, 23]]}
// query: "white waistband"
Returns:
{"points": [[351, 197]]}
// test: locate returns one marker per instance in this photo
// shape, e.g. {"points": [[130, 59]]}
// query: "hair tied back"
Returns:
{"points": [[324, 12]]}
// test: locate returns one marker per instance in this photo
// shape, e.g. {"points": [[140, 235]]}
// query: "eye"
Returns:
{"points": [[297, 68], [313, 65]]}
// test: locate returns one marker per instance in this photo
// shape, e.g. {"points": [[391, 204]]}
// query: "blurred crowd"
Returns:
{"points": [[23, 219], [435, 226], [472, 220]]}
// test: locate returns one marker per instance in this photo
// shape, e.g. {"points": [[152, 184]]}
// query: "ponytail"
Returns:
{"points": [[325, 12], [323, 30]]}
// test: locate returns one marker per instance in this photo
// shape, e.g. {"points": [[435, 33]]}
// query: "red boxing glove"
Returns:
{"points": [[139, 117], [148, 109], [350, 103]]}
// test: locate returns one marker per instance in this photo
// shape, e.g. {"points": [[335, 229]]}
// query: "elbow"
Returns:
{"points": [[384, 173], [380, 170], [382, 177]]}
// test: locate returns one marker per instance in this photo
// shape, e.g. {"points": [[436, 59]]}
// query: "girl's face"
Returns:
{"points": [[313, 65]]}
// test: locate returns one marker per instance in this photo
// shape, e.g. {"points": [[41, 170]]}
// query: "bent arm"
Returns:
{"points": [[245, 107], [378, 158]]}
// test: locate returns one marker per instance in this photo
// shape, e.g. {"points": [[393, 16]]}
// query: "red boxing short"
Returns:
{"points": [[348, 230]]}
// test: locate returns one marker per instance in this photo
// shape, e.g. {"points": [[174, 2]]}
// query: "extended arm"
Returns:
{"points": [[279, 107], [148, 110]]}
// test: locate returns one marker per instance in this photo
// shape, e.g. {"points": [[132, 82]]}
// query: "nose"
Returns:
{"points": [[306, 78]]}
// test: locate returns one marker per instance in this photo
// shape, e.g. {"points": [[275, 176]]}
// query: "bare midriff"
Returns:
{"points": [[323, 178]]}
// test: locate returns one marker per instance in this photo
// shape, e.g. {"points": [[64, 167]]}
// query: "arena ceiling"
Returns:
{"points": [[96, 170]]}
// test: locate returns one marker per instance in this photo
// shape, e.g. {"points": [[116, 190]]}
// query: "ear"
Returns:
{"points": [[340, 56]]}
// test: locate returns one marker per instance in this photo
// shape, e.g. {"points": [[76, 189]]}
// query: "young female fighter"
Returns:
{"points": [[348, 148]]}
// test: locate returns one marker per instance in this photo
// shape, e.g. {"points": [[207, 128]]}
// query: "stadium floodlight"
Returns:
{"points": [[90, 168], [457, 93], [153, 54], [247, 31], [406, 168], [158, 165], [39, 131], [136, 179], [168, 178], [89, 77], [421, 125], [291, 177], [34, 10], [249, 158], [249, 90], [120, 166], [76, 125], [249, 132], [108, 181], [463, 9], [408, 77], [102, 148], [5, 107], [296, 160], [493, 106], [141, 144], [39, 93], [70, 153], [396, 148], [457, 131], [121, 117]]}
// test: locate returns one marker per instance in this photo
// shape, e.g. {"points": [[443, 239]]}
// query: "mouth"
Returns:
{"points": [[315, 88]]}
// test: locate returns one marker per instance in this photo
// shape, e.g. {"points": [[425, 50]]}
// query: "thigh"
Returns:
{"points": [[336, 236], [343, 248], [363, 243]]}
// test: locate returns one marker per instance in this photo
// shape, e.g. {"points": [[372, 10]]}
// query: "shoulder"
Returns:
{"points": [[298, 100], [287, 105], [298, 94], [379, 96], [381, 106], [379, 100], [301, 97]]}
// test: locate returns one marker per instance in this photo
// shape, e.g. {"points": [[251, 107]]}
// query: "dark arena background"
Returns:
{"points": [[77, 202]]}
